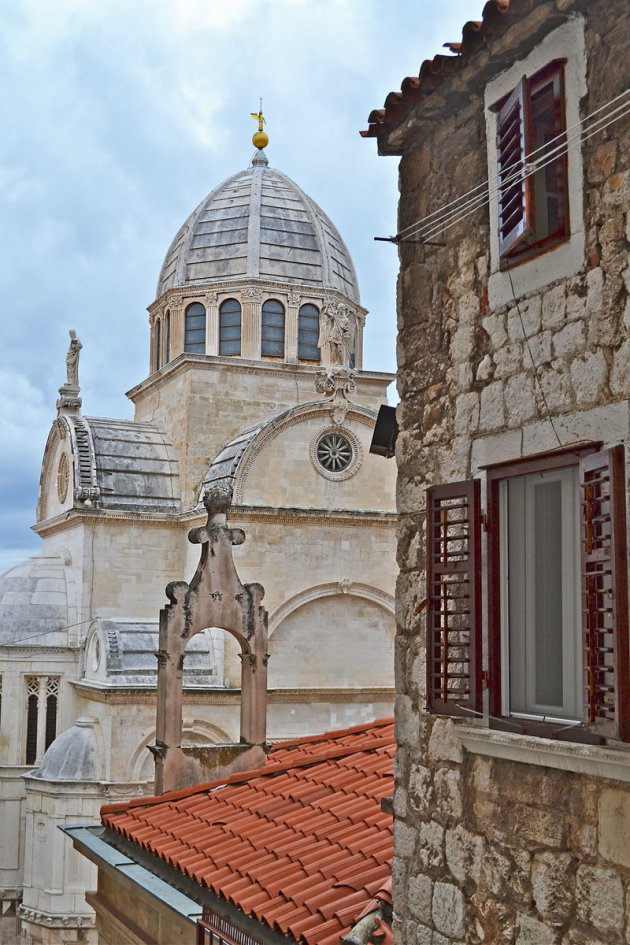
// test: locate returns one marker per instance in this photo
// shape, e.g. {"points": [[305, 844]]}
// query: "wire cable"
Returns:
{"points": [[484, 199], [456, 210]]}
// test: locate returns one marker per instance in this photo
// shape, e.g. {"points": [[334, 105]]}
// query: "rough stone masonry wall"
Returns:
{"points": [[490, 850]]}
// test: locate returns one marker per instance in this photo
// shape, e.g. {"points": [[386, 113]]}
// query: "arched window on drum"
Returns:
{"points": [[158, 344], [230, 327], [195, 329], [308, 333], [272, 329]]}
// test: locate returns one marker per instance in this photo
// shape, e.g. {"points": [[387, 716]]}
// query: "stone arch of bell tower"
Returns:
{"points": [[214, 598]]}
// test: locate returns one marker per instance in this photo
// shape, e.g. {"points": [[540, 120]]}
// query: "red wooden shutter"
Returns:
{"points": [[605, 593], [454, 597], [515, 198]]}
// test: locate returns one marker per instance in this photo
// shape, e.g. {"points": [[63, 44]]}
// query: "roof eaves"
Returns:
{"points": [[496, 17]]}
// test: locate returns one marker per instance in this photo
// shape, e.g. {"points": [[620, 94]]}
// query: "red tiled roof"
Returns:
{"points": [[301, 845], [497, 15]]}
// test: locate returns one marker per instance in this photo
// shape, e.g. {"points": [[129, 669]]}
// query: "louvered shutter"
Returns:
{"points": [[515, 201], [454, 597], [604, 593]]}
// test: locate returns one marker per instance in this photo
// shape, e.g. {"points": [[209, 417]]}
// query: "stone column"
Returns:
{"points": [[41, 719], [291, 328], [250, 323], [176, 309], [212, 323], [358, 354]]}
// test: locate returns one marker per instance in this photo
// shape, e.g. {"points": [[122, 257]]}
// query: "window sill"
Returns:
{"points": [[593, 760]]}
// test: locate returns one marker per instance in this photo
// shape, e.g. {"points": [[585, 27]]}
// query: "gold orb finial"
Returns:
{"points": [[260, 140]]}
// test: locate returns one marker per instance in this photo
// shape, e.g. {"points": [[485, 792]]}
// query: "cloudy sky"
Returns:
{"points": [[118, 117]]}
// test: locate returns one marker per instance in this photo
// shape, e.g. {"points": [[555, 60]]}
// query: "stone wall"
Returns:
{"points": [[493, 849]]}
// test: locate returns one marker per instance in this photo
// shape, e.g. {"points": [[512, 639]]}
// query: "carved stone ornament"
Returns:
{"points": [[253, 294], [212, 298], [336, 382], [294, 299]]}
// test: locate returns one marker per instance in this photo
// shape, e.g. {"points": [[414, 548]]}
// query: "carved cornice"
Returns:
{"points": [[228, 697], [231, 286], [54, 921], [210, 362]]}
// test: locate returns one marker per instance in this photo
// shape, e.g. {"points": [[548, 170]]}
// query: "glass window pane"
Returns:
{"points": [[308, 333], [548, 592], [195, 329]]}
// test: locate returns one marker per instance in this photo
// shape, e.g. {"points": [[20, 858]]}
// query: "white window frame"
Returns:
{"points": [[566, 259]]}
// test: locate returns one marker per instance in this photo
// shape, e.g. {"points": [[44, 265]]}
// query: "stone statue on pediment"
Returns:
{"points": [[72, 360]]}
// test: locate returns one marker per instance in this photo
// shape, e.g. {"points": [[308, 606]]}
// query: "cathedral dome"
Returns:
{"points": [[259, 225]]}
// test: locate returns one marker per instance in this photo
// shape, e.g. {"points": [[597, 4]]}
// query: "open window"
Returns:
{"points": [[532, 166], [557, 591]]}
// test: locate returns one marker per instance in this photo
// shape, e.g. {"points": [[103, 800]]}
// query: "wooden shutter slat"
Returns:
{"points": [[454, 598], [605, 593], [515, 204]]}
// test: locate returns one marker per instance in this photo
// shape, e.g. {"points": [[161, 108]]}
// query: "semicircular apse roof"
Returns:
{"points": [[258, 224]]}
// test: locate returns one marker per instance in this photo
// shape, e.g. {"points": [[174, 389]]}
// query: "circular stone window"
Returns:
{"points": [[336, 453], [63, 476]]}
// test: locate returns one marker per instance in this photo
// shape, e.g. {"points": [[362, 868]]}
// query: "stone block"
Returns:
{"points": [[599, 898], [539, 826], [407, 723], [420, 788], [400, 802], [569, 341], [554, 306], [555, 383], [508, 360], [589, 373], [423, 936], [620, 373], [430, 845], [419, 896], [464, 852], [552, 885], [524, 320], [462, 342], [494, 325], [614, 826], [404, 839], [448, 792], [449, 910], [520, 399], [594, 290], [495, 871], [541, 349], [443, 743], [530, 931], [492, 409]]}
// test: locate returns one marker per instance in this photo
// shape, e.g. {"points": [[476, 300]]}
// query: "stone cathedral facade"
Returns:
{"points": [[255, 383]]}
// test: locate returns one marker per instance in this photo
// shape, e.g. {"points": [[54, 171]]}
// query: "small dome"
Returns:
{"points": [[72, 756], [33, 603], [259, 225]]}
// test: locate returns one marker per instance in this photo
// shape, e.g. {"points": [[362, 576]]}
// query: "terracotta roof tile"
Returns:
{"points": [[497, 15], [300, 844]]}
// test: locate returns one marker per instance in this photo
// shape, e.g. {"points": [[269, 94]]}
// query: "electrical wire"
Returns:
{"points": [[439, 221], [492, 180], [484, 199]]}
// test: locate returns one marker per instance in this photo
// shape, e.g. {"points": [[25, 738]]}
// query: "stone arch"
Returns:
{"points": [[275, 427], [214, 598], [337, 635], [141, 766], [331, 589]]}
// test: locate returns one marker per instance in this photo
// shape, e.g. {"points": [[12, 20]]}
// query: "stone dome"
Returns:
{"points": [[34, 603], [73, 755], [258, 224]]}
